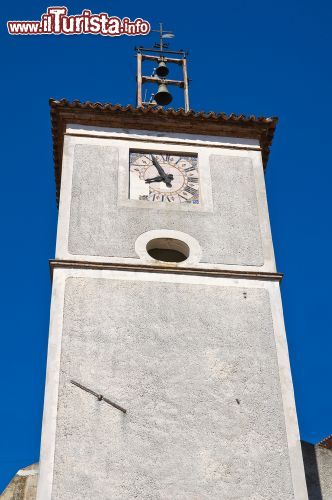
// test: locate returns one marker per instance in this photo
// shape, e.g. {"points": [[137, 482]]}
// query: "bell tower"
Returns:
{"points": [[168, 373], [162, 56]]}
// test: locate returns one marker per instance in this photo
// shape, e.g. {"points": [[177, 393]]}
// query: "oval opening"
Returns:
{"points": [[168, 250]]}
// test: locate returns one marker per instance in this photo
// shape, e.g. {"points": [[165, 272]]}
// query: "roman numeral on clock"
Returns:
{"points": [[189, 169], [193, 179], [191, 190]]}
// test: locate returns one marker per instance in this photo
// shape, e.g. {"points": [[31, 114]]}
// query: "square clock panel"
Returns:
{"points": [[163, 177]]}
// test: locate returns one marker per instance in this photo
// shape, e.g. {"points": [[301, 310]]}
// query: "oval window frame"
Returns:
{"points": [[188, 244]]}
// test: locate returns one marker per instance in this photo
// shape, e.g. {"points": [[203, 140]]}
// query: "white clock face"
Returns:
{"points": [[164, 177]]}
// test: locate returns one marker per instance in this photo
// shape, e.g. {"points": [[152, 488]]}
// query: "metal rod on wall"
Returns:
{"points": [[100, 397]]}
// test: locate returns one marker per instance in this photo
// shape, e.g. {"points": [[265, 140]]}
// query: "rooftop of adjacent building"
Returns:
{"points": [[326, 443], [23, 486]]}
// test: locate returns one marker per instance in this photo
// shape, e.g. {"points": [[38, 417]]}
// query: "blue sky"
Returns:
{"points": [[252, 57]]}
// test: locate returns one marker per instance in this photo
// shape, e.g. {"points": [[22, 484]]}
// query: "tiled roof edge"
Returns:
{"points": [[326, 442], [62, 103]]}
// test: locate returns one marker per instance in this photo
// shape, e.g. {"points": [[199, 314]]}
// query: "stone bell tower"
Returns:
{"points": [[168, 374]]}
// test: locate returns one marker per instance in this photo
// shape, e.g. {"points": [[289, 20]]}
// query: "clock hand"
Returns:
{"points": [[154, 179], [159, 178], [100, 397], [163, 177], [166, 177], [161, 171]]}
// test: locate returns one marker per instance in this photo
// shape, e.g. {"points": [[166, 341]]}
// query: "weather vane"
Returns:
{"points": [[161, 54], [162, 35]]}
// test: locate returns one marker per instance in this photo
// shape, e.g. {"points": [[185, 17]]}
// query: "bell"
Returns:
{"points": [[162, 70], [163, 97]]}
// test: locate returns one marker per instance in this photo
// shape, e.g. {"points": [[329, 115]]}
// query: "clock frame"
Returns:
{"points": [[164, 176]]}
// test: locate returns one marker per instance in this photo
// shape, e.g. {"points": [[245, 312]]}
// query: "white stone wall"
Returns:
{"points": [[200, 364]]}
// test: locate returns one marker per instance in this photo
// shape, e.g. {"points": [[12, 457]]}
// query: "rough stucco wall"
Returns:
{"points": [[318, 470], [229, 235], [177, 356]]}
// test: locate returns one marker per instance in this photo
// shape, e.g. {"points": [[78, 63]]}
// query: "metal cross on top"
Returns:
{"points": [[162, 35], [161, 54]]}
